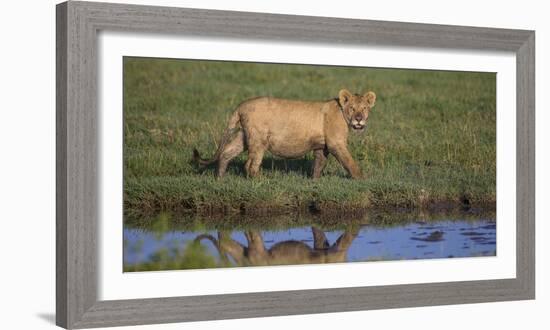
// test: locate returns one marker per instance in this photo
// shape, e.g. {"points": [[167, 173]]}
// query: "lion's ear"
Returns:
{"points": [[344, 96], [371, 98]]}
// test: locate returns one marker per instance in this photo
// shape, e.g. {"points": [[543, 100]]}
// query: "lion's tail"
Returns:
{"points": [[232, 125], [217, 245], [208, 237]]}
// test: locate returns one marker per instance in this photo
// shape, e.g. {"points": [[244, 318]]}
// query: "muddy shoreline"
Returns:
{"points": [[336, 217], [314, 208]]}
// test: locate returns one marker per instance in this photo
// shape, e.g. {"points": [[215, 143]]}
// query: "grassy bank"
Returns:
{"points": [[431, 138]]}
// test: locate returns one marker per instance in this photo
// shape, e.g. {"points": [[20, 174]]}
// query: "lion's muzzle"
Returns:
{"points": [[358, 125]]}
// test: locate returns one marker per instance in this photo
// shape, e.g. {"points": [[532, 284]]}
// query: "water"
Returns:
{"points": [[170, 248]]}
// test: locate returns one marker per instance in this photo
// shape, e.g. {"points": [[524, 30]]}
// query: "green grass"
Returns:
{"points": [[431, 138]]}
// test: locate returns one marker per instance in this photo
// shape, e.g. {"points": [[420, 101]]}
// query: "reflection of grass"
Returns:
{"points": [[329, 222], [193, 256], [431, 138]]}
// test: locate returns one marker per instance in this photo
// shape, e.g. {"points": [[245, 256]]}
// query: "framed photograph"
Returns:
{"points": [[217, 165]]}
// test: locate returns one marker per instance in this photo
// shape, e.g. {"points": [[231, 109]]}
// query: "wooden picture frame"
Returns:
{"points": [[78, 24]]}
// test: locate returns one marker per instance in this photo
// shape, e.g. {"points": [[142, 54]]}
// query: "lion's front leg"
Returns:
{"points": [[344, 157]]}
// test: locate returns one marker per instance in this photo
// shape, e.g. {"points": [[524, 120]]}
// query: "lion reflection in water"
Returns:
{"points": [[282, 253]]}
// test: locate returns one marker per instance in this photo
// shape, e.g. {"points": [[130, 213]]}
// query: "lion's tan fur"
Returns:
{"points": [[290, 129], [255, 253]]}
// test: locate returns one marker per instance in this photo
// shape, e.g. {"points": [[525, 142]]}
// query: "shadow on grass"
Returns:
{"points": [[300, 166]]}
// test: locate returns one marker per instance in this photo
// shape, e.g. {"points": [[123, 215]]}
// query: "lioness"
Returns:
{"points": [[290, 129], [282, 253]]}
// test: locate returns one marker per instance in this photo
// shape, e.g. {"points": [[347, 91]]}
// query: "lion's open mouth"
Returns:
{"points": [[358, 127]]}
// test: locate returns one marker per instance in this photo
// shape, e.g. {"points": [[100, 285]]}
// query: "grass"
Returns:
{"points": [[431, 139]]}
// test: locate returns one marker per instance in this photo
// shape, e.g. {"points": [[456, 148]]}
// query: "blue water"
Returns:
{"points": [[415, 240]]}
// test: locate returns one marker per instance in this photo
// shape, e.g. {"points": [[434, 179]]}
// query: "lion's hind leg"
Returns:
{"points": [[255, 157], [319, 163], [230, 151]]}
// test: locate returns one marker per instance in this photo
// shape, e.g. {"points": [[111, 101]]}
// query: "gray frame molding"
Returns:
{"points": [[77, 150]]}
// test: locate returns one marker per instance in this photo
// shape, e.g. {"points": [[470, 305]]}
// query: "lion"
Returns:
{"points": [[290, 252], [291, 129]]}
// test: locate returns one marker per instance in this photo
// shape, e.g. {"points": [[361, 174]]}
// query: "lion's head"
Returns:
{"points": [[356, 108]]}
